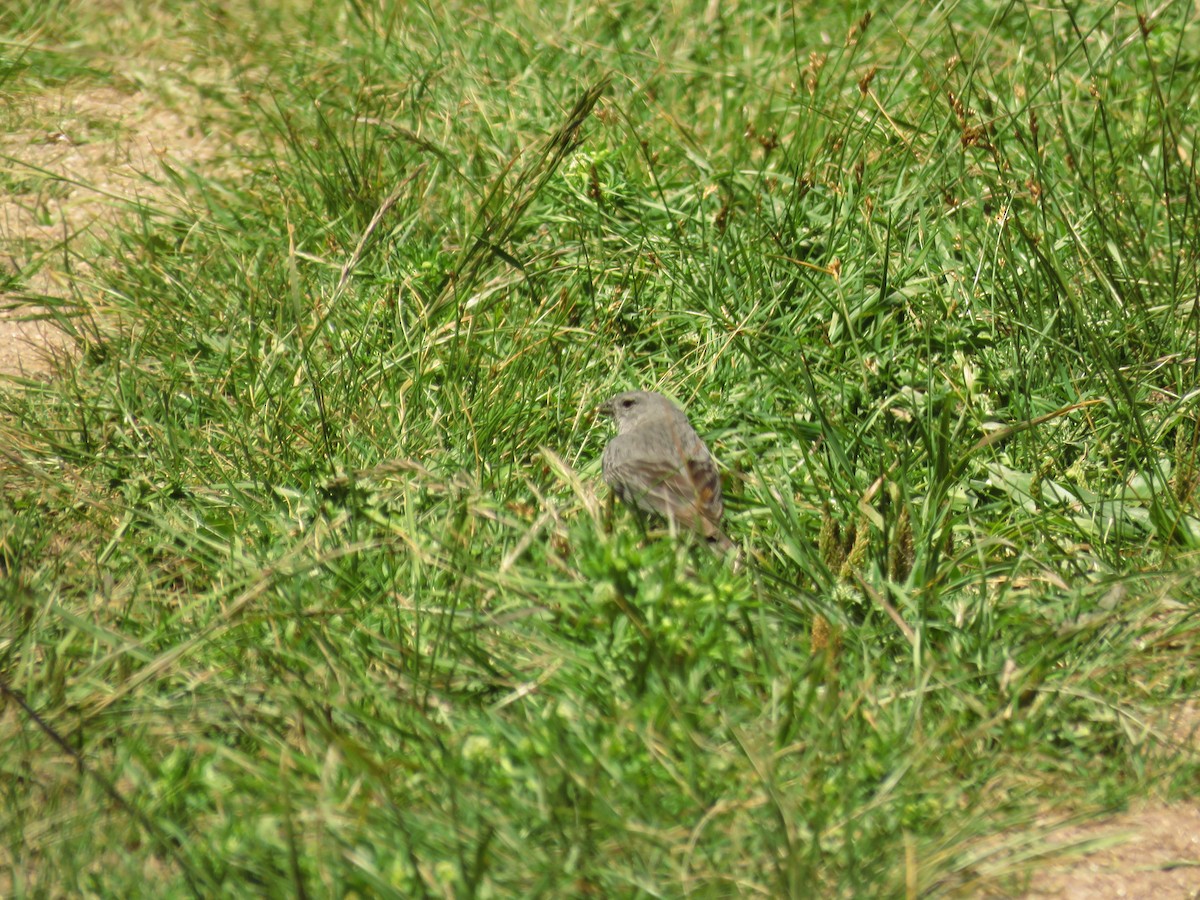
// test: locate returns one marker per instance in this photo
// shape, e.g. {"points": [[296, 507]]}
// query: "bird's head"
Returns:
{"points": [[633, 408]]}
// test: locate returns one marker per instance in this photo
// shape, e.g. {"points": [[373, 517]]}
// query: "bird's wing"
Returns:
{"points": [[689, 492]]}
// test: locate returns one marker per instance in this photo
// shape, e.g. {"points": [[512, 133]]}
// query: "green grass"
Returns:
{"points": [[307, 584]]}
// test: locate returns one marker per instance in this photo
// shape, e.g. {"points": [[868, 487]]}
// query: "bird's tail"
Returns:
{"points": [[722, 546]]}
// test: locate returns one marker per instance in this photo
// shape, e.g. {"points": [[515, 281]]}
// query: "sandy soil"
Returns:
{"points": [[78, 167], [1152, 853]]}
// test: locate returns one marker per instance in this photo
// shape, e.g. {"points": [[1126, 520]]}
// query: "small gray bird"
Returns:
{"points": [[658, 463]]}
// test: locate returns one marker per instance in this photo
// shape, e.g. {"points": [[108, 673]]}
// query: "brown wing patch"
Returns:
{"points": [[706, 481]]}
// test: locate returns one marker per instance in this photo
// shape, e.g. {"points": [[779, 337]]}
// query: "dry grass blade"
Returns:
{"points": [[502, 212], [373, 224], [1008, 431]]}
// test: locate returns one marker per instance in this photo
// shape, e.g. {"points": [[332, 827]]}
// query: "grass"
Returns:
{"points": [[307, 586]]}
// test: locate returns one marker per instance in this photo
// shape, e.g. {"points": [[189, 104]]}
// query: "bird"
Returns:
{"points": [[657, 463]]}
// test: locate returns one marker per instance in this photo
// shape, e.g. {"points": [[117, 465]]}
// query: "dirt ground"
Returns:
{"points": [[80, 165], [1150, 853], [82, 161]]}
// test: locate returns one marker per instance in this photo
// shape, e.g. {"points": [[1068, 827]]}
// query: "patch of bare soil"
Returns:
{"points": [[1152, 854], [73, 171], [25, 346]]}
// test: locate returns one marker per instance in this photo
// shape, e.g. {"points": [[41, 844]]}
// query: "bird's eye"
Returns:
{"points": [[628, 402]]}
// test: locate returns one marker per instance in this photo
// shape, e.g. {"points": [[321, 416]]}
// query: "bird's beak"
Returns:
{"points": [[604, 410]]}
